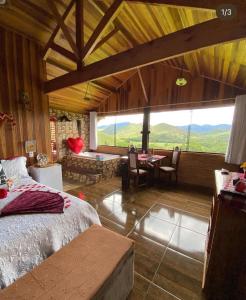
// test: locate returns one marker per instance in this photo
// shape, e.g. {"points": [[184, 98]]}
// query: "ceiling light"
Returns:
{"points": [[181, 81]]}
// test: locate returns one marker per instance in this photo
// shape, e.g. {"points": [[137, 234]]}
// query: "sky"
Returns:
{"points": [[212, 116]]}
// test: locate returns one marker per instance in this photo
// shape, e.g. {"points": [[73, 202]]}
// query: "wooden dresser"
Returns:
{"points": [[225, 256]]}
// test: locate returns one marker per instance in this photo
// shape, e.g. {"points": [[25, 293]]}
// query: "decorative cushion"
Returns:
{"points": [[3, 177], [167, 169], [15, 168], [140, 171], [75, 145]]}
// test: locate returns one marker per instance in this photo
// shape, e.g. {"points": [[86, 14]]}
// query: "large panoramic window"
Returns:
{"points": [[120, 131], [199, 130]]}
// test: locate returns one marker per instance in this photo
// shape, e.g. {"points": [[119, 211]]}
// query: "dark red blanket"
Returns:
{"points": [[34, 202]]}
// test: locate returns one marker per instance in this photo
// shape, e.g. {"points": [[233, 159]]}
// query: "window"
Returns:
{"points": [[200, 130], [53, 139], [120, 131]]}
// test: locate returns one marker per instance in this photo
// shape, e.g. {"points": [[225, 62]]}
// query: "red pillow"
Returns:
{"points": [[76, 145], [3, 193]]}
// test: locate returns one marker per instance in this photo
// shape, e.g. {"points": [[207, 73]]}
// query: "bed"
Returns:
{"points": [[26, 240]]}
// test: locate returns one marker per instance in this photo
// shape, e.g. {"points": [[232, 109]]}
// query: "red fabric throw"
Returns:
{"points": [[3, 193], [76, 145], [34, 202]]}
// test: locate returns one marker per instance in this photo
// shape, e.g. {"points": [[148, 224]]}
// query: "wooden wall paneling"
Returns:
{"points": [[160, 79], [22, 69]]}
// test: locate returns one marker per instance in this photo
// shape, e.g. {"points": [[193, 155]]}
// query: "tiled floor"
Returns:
{"points": [[169, 227]]}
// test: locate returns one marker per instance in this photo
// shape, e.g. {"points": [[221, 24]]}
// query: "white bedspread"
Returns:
{"points": [[26, 240]]}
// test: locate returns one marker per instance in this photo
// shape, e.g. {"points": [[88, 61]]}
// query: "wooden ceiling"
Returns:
{"points": [[136, 23]]}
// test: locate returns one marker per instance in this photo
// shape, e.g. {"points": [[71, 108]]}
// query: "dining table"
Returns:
{"points": [[147, 158], [150, 162]]}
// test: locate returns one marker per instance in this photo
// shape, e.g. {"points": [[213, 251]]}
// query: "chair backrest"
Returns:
{"points": [[133, 160], [176, 157]]}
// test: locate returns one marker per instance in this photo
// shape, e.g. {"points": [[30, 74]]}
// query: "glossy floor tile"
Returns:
{"points": [[198, 208], [140, 288], [148, 255], [155, 292], [166, 213], [194, 222], [156, 229], [188, 242], [169, 227], [180, 275]]}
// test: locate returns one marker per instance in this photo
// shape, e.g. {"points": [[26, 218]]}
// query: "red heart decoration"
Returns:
{"points": [[76, 145]]}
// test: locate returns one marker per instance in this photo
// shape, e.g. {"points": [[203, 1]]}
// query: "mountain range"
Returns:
{"points": [[204, 138]]}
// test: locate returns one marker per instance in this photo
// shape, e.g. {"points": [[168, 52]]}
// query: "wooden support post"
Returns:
{"points": [[80, 31], [146, 131]]}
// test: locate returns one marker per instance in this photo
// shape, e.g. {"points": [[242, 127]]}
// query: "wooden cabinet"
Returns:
{"points": [[225, 255]]}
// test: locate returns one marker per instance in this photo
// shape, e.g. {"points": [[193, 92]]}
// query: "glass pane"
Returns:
{"points": [[106, 131], [120, 131], [169, 129], [128, 130], [210, 129]]}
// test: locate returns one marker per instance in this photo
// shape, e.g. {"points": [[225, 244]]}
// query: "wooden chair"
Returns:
{"points": [[135, 171], [174, 165]]}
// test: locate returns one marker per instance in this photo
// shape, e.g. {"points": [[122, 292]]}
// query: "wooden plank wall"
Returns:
{"points": [[22, 69], [159, 81], [194, 169]]}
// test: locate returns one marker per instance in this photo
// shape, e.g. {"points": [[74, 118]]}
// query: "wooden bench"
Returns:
{"points": [[98, 264]]}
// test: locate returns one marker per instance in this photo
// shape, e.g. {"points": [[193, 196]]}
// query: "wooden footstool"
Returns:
{"points": [[98, 264]]}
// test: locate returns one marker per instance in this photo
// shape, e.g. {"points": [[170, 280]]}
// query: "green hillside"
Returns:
{"points": [[202, 138]]}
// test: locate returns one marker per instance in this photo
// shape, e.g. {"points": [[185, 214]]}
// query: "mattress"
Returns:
{"points": [[26, 240]]}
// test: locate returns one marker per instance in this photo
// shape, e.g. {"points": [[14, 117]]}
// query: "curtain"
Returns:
{"points": [[93, 130], [236, 151]]}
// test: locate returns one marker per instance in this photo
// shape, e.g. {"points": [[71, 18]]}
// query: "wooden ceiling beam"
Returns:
{"points": [[94, 83], [200, 4], [79, 31], [63, 26], [105, 38], [64, 52], [103, 86], [57, 28], [101, 8], [109, 16], [199, 36]]}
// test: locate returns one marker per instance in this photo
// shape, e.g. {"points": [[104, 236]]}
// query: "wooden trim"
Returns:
{"points": [[199, 36], [64, 28], [63, 52], [55, 32], [143, 86], [200, 4], [80, 30], [109, 16]]}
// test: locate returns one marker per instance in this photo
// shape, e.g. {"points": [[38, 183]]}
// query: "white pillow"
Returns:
{"points": [[15, 167]]}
